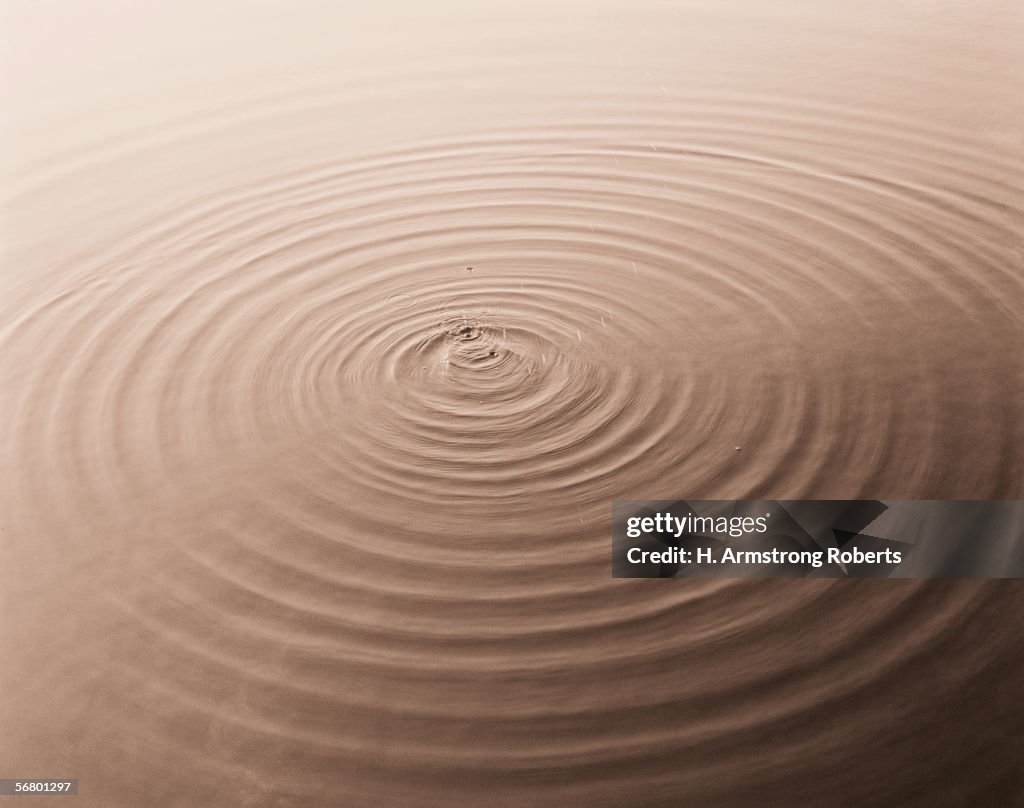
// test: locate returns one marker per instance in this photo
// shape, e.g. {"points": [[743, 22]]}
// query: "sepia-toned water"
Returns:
{"points": [[329, 334]]}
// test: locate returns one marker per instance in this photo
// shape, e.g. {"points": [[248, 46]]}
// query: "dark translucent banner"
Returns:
{"points": [[818, 539]]}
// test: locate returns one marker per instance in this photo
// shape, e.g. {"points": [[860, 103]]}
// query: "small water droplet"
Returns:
{"points": [[402, 300]]}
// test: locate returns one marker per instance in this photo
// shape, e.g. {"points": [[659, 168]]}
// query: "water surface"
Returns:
{"points": [[329, 335]]}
